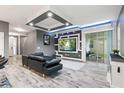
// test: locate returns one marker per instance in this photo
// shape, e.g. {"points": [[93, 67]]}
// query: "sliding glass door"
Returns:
{"points": [[98, 46]]}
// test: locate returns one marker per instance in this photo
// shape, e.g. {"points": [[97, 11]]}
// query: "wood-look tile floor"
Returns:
{"points": [[91, 75]]}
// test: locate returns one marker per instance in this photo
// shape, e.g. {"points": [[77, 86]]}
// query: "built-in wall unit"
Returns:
{"points": [[68, 44], [91, 42]]}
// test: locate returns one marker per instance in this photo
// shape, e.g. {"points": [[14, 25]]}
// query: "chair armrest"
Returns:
{"points": [[3, 58], [48, 58], [37, 58], [3, 62], [52, 62]]}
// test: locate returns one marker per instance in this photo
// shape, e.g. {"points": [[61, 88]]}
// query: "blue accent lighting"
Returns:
{"points": [[84, 26]]}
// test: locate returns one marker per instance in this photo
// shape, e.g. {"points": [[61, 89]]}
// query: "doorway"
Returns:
{"points": [[12, 46], [98, 46]]}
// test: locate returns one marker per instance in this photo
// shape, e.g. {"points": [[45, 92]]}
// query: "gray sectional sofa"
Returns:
{"points": [[44, 64]]}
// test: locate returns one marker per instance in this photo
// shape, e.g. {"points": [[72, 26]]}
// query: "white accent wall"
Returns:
{"points": [[2, 43], [4, 28]]}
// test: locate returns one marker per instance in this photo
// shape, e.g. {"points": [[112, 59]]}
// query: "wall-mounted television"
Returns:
{"points": [[67, 44]]}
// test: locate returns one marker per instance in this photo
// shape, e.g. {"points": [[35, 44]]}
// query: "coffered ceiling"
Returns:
{"points": [[20, 15]]}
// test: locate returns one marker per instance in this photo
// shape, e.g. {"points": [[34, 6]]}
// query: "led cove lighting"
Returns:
{"points": [[84, 26], [95, 24], [65, 28], [50, 14]]}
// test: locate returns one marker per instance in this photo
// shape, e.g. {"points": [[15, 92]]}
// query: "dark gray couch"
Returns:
{"points": [[41, 63]]}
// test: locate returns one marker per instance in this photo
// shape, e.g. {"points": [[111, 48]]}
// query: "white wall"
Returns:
{"points": [[2, 43], [4, 27], [120, 30]]}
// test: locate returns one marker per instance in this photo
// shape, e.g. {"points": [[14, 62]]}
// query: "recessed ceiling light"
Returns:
{"points": [[31, 24], [49, 14], [66, 23]]}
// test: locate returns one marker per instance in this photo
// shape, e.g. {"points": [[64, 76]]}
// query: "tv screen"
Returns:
{"points": [[67, 44]]}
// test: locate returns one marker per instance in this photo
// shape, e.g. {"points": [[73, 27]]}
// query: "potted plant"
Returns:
{"points": [[116, 51]]}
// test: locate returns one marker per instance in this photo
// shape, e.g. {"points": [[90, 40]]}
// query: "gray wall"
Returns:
{"points": [[47, 49], [121, 22], [23, 42], [30, 43], [34, 43], [4, 27]]}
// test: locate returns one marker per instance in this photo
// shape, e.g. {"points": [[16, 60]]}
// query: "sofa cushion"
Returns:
{"points": [[48, 58], [2, 59], [52, 62], [38, 54], [3, 62], [37, 58]]}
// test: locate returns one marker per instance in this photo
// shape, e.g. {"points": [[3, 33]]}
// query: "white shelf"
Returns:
{"points": [[79, 50], [80, 41], [56, 44]]}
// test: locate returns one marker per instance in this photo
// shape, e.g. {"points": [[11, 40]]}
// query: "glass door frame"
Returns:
{"points": [[108, 42]]}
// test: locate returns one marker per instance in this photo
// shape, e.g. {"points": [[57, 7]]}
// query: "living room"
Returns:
{"points": [[57, 46]]}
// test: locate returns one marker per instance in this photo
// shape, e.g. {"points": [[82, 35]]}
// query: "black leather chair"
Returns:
{"points": [[3, 61]]}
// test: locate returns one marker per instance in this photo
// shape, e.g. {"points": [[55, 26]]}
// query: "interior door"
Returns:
{"points": [[12, 46]]}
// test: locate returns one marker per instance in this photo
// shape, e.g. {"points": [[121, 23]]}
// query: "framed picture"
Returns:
{"points": [[46, 39]]}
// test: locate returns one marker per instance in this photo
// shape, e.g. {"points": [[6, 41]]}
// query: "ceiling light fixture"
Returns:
{"points": [[67, 24], [49, 14], [31, 24]]}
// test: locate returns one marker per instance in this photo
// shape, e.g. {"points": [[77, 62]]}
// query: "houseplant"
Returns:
{"points": [[116, 51]]}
